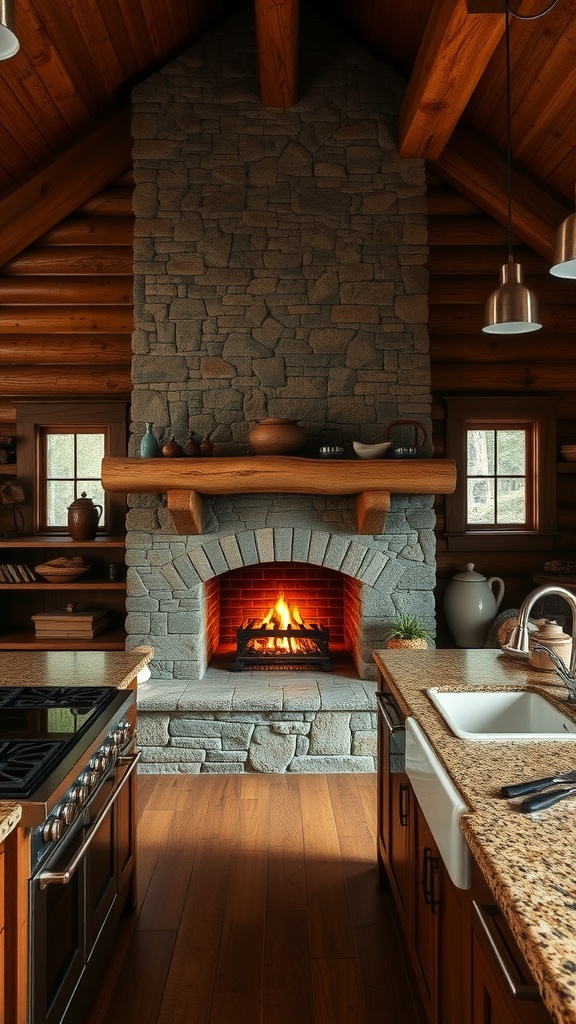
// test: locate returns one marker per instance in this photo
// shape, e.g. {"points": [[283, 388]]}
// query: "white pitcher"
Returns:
{"points": [[470, 605]]}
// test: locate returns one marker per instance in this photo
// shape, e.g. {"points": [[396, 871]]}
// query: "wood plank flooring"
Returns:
{"points": [[257, 904]]}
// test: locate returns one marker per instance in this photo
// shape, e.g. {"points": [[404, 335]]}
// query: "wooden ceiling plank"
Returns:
{"points": [[277, 35], [472, 166], [55, 191], [135, 22], [451, 60], [97, 230], [111, 202], [95, 34], [67, 39], [480, 259]]}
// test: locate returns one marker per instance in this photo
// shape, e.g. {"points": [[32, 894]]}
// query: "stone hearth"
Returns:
{"points": [[258, 722]]}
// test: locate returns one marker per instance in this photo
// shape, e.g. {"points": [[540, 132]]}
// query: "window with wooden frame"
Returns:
{"points": [[60, 447], [505, 454]]}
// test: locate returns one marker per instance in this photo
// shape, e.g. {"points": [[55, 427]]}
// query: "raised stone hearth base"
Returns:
{"points": [[257, 722]]}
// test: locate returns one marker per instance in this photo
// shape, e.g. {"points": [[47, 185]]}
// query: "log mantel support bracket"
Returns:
{"points": [[186, 481]]}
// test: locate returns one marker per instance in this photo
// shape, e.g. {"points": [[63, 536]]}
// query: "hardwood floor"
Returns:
{"points": [[257, 904]]}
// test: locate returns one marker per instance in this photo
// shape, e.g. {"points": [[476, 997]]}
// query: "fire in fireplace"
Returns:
{"points": [[282, 639]]}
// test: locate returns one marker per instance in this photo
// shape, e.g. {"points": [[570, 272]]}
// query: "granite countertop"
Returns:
{"points": [[72, 668], [10, 815], [527, 860]]}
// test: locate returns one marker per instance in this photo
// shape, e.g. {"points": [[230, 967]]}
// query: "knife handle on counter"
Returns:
{"points": [[523, 788], [542, 800]]}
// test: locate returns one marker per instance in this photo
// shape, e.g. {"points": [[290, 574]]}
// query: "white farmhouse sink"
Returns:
{"points": [[440, 801], [498, 715]]}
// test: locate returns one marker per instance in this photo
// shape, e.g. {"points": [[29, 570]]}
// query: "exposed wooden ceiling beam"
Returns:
{"points": [[277, 36], [52, 193], [479, 172], [454, 52]]}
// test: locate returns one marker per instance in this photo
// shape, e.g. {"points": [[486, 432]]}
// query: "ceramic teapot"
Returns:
{"points": [[83, 518], [470, 605]]}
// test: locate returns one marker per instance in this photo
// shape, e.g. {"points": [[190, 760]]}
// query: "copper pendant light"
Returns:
{"points": [[512, 308], [565, 249], [9, 43]]}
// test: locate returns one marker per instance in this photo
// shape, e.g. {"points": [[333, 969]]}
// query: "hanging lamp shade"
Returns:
{"points": [[512, 308], [565, 249], [9, 43]]}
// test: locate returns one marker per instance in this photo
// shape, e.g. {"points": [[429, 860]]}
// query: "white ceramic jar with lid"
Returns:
{"points": [[551, 634], [470, 605]]}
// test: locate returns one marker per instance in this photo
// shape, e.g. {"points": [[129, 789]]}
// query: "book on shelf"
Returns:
{"points": [[12, 573], [72, 623]]}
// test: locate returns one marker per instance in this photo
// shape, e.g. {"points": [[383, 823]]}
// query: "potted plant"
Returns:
{"points": [[407, 632]]}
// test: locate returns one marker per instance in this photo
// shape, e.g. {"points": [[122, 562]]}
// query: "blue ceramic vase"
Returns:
{"points": [[149, 447]]}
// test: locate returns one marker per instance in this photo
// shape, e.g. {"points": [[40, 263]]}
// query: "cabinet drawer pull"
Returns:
{"points": [[385, 709], [426, 873], [404, 806], [434, 901], [485, 913]]}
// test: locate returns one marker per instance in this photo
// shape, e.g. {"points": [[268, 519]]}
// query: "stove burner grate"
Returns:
{"points": [[23, 762], [81, 698]]}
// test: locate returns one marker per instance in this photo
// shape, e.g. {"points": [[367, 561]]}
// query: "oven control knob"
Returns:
{"points": [[52, 830], [67, 812], [79, 794], [89, 779]]}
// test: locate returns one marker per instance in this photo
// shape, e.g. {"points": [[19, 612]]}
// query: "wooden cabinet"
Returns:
{"points": [[466, 965], [20, 600], [503, 990]]}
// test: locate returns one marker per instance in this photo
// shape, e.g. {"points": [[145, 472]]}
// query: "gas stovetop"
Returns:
{"points": [[44, 729]]}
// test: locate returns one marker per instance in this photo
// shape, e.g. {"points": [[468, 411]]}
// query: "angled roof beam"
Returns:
{"points": [[479, 172], [58, 188], [277, 36], [452, 57]]}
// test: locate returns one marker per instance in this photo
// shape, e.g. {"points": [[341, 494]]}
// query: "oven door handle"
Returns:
{"points": [[63, 877]]}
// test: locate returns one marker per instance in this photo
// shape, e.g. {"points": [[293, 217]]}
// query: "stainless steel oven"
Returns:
{"points": [[76, 896], [68, 755]]}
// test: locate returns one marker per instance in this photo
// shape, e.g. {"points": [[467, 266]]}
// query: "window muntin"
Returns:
{"points": [[71, 463], [498, 481]]}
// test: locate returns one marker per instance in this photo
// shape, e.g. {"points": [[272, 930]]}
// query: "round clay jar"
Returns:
{"points": [[277, 437]]}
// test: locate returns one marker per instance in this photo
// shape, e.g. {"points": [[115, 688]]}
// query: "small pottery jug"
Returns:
{"points": [[172, 450], [551, 634], [206, 446], [149, 447], [83, 518], [191, 448], [277, 437], [470, 605]]}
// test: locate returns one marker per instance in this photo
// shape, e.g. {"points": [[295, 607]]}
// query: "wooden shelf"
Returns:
{"points": [[43, 540], [82, 584], [186, 481], [8, 469], [25, 640]]}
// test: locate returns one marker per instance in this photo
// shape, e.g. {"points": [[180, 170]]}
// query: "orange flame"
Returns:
{"points": [[281, 617]]}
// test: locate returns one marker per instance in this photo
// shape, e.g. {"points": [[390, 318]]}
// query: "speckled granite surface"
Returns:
{"points": [[10, 815], [529, 861], [72, 668]]}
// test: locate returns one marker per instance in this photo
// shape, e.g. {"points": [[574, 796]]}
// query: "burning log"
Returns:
{"points": [[282, 638]]}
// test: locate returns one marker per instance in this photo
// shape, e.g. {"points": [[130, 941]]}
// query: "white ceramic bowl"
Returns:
{"points": [[371, 451]]}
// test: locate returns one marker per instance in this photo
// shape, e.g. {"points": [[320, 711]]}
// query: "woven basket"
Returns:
{"points": [[418, 644], [62, 570]]}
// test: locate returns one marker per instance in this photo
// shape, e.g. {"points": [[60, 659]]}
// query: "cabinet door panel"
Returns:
{"points": [[425, 914], [400, 841]]}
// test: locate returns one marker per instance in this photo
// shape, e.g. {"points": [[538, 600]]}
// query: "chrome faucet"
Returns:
{"points": [[519, 638]]}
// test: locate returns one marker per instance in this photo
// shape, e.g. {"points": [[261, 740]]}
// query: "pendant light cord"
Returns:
{"points": [[508, 140], [529, 17]]}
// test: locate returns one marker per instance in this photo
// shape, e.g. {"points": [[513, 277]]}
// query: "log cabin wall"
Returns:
{"points": [[66, 307], [466, 250]]}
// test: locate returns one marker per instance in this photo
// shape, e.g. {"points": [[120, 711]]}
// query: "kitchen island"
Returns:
{"points": [[527, 860]]}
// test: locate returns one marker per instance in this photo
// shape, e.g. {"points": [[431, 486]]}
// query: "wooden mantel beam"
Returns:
{"points": [[277, 37], [371, 482], [453, 55]]}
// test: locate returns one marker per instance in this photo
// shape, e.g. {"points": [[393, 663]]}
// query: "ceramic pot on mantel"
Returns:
{"points": [[277, 437], [470, 605]]}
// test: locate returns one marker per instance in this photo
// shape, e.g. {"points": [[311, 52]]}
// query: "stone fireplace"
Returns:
{"points": [[280, 270]]}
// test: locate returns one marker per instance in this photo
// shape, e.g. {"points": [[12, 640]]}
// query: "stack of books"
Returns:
{"points": [[10, 573], [71, 623]]}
